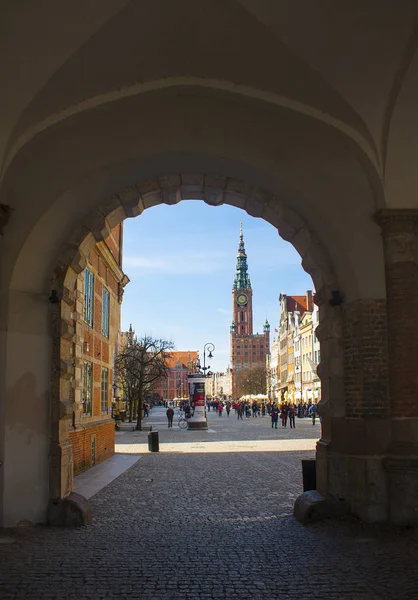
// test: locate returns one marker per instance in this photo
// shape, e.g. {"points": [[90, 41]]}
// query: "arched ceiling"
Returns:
{"points": [[311, 99], [343, 59]]}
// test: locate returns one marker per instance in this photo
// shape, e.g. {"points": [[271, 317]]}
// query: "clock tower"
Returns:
{"points": [[247, 349], [242, 294]]}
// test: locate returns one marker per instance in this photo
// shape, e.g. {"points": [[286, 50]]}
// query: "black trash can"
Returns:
{"points": [[153, 443], [309, 474]]}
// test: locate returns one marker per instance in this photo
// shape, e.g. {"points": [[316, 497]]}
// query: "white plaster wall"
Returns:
{"points": [[25, 408]]}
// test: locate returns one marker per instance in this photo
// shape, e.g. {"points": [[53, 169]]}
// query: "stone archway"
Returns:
{"points": [[131, 202]]}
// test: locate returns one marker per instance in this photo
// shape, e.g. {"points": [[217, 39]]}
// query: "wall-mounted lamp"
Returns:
{"points": [[336, 298], [54, 297]]}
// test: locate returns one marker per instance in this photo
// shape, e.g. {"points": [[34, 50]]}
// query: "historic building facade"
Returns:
{"points": [[175, 385], [299, 353], [219, 384], [247, 348], [97, 325]]}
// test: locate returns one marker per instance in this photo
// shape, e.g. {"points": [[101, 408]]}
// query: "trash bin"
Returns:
{"points": [[309, 474], [153, 443]]}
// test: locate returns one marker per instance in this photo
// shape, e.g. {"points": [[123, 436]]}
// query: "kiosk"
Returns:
{"points": [[197, 399]]}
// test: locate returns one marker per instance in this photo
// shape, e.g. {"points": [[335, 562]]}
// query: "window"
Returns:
{"points": [[87, 390], [105, 312], [88, 296], [104, 392]]}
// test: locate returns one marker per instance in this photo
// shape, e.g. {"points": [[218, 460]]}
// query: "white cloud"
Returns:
{"points": [[176, 263]]}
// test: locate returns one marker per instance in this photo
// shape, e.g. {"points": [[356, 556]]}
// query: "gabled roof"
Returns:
{"points": [[296, 301], [182, 356]]}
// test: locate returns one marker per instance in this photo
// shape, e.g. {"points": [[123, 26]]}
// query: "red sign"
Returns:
{"points": [[199, 394]]}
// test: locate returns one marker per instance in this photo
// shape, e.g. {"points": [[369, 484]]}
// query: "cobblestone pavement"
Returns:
{"points": [[203, 525]]}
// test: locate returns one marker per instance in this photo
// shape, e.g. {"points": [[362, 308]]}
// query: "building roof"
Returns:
{"points": [[296, 301], [182, 356]]}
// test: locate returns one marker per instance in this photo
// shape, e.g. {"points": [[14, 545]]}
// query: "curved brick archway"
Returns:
{"points": [[171, 189]]}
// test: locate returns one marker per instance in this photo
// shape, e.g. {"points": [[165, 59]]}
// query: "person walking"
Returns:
{"points": [[239, 411], [284, 410], [312, 413], [228, 408], [220, 408], [274, 415], [170, 415], [291, 414]]}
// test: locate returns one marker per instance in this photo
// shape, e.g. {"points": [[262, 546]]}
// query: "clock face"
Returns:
{"points": [[242, 299]]}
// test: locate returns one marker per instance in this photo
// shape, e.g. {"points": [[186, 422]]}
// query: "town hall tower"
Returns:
{"points": [[247, 349]]}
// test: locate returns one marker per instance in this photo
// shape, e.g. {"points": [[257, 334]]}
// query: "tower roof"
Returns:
{"points": [[242, 279]]}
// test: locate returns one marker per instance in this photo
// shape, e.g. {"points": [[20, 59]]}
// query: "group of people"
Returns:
{"points": [[219, 406], [286, 411]]}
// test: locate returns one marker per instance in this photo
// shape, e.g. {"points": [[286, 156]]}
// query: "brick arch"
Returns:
{"points": [[171, 189]]}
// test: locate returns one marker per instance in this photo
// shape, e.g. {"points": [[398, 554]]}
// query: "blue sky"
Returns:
{"points": [[181, 262]]}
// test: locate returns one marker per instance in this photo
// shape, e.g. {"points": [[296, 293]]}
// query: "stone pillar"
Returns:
{"points": [[400, 240], [61, 451]]}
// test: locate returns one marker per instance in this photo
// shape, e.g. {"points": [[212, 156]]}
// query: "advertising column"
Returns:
{"points": [[198, 400]]}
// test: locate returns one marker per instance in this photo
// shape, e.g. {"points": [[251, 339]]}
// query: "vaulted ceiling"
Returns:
{"points": [[314, 100]]}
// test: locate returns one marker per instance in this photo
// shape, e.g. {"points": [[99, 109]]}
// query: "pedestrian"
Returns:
{"points": [[291, 414], [239, 411], [220, 408], [312, 413], [255, 409], [228, 408], [274, 415], [170, 415], [283, 413]]}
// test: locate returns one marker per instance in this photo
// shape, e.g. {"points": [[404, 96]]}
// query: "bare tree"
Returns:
{"points": [[139, 364], [252, 381]]}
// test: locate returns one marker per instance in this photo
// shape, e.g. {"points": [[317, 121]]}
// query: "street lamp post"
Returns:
{"points": [[211, 348]]}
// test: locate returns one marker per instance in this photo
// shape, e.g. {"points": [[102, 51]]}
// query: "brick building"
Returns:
{"points": [[175, 385], [247, 348], [100, 289]]}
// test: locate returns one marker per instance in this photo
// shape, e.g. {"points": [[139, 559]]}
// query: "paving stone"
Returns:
{"points": [[210, 525]]}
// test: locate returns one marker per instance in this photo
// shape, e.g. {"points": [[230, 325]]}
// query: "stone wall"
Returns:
{"points": [[365, 359]]}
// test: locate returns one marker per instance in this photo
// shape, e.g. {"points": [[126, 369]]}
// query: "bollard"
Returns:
{"points": [[309, 474], [153, 443]]}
